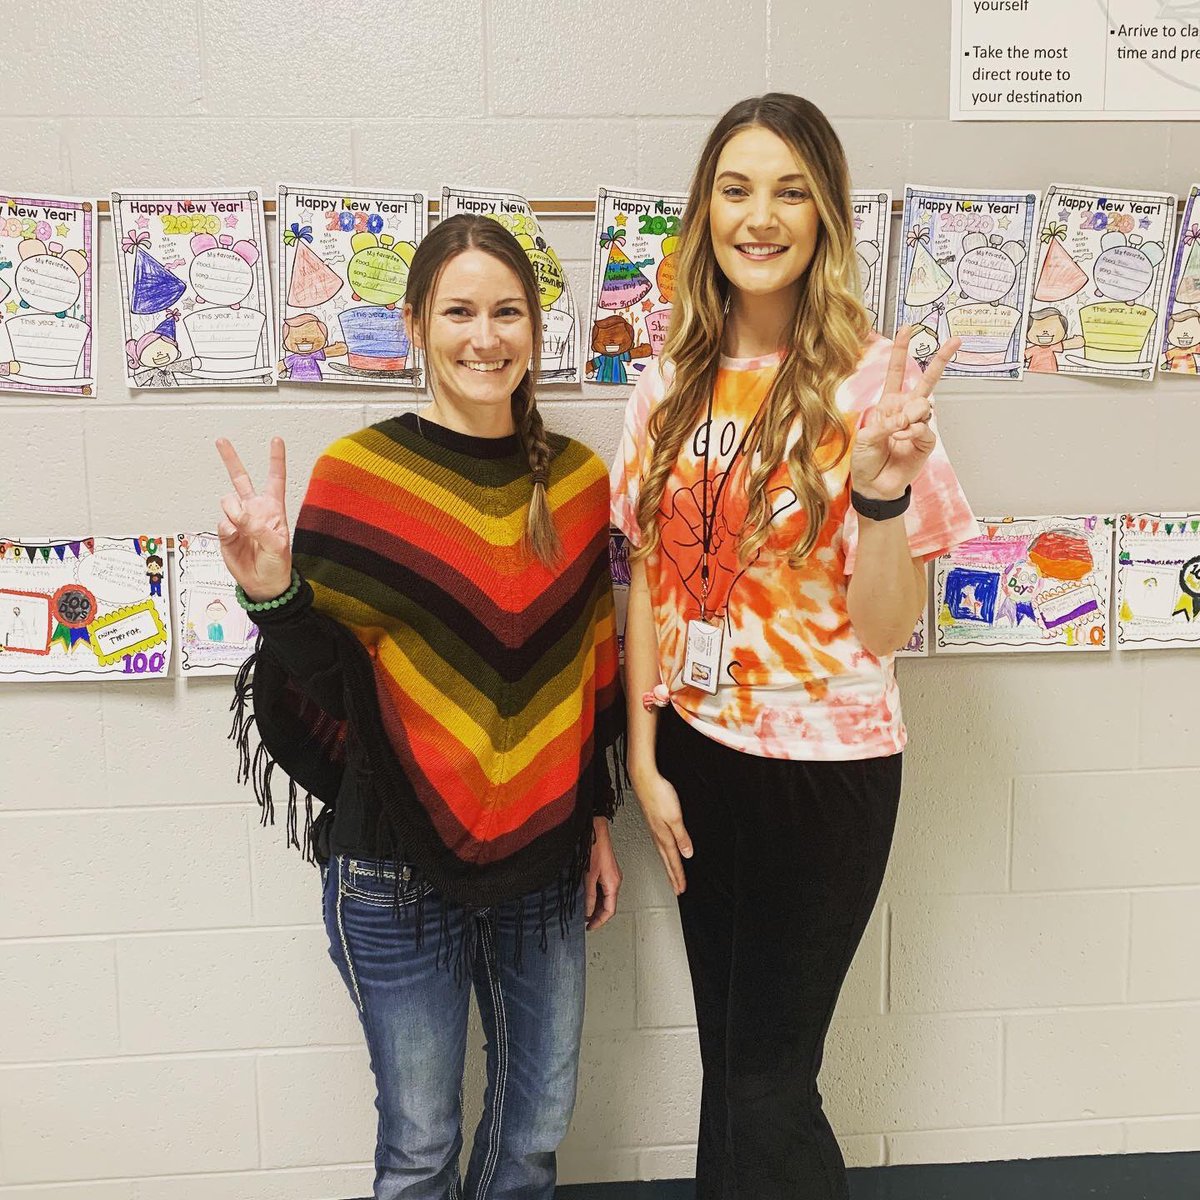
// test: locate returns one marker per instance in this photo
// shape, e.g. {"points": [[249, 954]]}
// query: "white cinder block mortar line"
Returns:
{"points": [[1009, 838], [94, 811], [250, 840], [116, 982], [201, 59], [1146, 770], [179, 1056], [485, 33], [131, 935], [1128, 979], [1001, 1073], [885, 962], [1055, 1009]]}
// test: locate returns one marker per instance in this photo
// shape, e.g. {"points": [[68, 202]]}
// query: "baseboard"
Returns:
{"points": [[1102, 1177]]}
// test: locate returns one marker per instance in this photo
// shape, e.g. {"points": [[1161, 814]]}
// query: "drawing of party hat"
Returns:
{"points": [[154, 287], [313, 280], [167, 325], [927, 278], [1187, 291], [624, 285], [1061, 276]]}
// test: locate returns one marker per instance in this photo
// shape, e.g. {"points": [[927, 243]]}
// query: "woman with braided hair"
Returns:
{"points": [[438, 666]]}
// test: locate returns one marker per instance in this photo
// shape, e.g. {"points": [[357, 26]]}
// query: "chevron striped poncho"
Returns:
{"points": [[470, 692]]}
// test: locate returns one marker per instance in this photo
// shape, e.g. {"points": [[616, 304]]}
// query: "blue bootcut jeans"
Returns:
{"points": [[414, 1014]]}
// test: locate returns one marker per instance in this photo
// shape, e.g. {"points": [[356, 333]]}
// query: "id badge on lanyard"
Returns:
{"points": [[702, 661]]}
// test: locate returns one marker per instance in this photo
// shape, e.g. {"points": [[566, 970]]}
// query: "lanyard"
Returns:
{"points": [[708, 512]]}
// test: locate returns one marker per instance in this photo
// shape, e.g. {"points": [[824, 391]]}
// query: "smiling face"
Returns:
{"points": [[922, 344], [305, 338], [478, 336], [762, 216], [1184, 331], [1046, 331], [159, 353]]}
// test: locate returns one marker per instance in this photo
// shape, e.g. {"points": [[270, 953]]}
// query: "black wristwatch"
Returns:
{"points": [[880, 510]]}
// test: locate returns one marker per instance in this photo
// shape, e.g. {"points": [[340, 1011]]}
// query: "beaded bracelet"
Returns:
{"points": [[279, 601]]}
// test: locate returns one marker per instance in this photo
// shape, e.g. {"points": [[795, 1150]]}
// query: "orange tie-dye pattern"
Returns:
{"points": [[795, 681]]}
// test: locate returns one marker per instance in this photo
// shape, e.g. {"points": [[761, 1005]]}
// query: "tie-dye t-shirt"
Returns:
{"points": [[795, 681]]}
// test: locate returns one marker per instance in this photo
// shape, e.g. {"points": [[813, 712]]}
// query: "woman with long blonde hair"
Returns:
{"points": [[783, 486]]}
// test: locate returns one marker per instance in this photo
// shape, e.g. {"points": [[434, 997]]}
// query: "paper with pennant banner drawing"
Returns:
{"points": [[216, 635], [343, 260], [965, 263], [560, 350], [195, 300], [1158, 580], [1099, 291], [1027, 584], [87, 608], [47, 295], [634, 256]]}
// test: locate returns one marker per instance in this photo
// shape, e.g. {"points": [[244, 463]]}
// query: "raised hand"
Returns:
{"points": [[255, 541], [897, 438]]}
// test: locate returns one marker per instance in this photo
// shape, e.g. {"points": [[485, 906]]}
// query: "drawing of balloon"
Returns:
{"points": [[988, 269], [656, 328], [378, 268], [222, 271], [1124, 269], [665, 276], [546, 269], [47, 280]]}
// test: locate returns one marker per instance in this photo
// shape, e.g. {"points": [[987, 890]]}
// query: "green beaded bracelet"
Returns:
{"points": [[279, 601]]}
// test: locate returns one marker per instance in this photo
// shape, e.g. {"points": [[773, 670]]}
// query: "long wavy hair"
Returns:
{"points": [[825, 343], [447, 240]]}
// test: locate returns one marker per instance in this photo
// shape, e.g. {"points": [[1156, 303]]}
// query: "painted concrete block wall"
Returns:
{"points": [[172, 1029]]}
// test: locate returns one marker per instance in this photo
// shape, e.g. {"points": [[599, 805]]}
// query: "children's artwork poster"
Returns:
{"points": [[560, 351], [216, 635], [343, 273], [1099, 292], [1181, 337], [47, 295], [618, 561], [633, 281], [872, 226], [92, 608], [1027, 584], [964, 272], [1158, 580], [196, 302]]}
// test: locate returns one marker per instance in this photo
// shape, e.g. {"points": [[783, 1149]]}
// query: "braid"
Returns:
{"points": [[540, 531]]}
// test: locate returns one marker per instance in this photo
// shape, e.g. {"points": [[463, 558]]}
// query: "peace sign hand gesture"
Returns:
{"points": [[255, 542], [897, 438]]}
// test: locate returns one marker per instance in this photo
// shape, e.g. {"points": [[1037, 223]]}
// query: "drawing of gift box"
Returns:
{"points": [[1115, 329], [1114, 332], [558, 327], [49, 348], [225, 339], [986, 331], [376, 342], [656, 328]]}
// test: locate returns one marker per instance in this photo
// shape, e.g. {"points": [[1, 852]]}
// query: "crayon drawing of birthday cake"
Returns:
{"points": [[226, 339], [49, 348], [1115, 329], [987, 272], [376, 344]]}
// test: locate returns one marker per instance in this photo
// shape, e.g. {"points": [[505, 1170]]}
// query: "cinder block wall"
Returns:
{"points": [[172, 1029]]}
